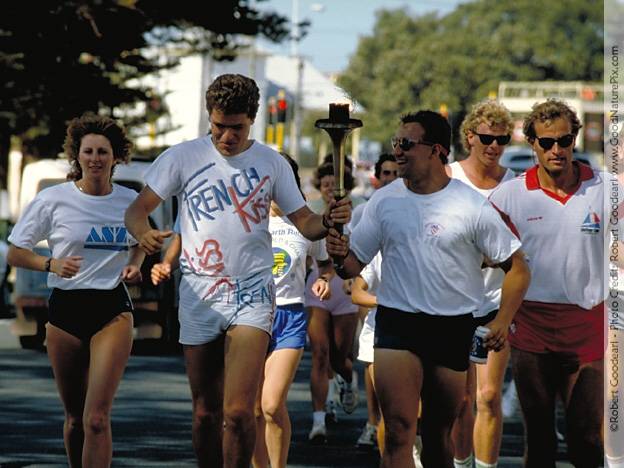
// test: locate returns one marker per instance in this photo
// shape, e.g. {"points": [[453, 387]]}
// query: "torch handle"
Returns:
{"points": [[338, 260]]}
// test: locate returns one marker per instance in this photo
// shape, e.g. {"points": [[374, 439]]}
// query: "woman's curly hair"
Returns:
{"points": [[327, 169], [91, 123]]}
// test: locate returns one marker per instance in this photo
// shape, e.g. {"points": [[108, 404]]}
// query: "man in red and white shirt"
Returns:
{"points": [[557, 335]]}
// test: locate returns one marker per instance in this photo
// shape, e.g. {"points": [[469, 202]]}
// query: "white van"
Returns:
{"points": [[155, 315]]}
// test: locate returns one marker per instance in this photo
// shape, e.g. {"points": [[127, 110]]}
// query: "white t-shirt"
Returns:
{"points": [[75, 223], [432, 246], [372, 275], [290, 250], [226, 257], [492, 277], [356, 216], [564, 238]]}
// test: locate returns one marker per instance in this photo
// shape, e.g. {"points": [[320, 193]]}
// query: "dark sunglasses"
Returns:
{"points": [[388, 172], [489, 139], [406, 144], [563, 142]]}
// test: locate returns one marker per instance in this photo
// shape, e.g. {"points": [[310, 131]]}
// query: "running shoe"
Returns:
{"points": [[318, 434], [348, 394], [331, 415], [368, 438]]}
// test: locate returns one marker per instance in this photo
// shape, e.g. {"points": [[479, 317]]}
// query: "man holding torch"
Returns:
{"points": [[434, 233]]}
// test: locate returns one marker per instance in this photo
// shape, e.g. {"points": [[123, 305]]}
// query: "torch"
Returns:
{"points": [[338, 126]]}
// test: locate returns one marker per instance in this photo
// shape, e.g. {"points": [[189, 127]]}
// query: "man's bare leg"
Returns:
{"points": [[582, 395], [536, 378], [245, 351], [442, 396], [204, 367], [488, 428], [398, 400], [463, 426]]}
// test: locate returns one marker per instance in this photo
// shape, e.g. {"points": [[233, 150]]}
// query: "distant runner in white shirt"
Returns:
{"points": [[89, 333], [290, 251], [226, 183], [485, 132], [426, 226], [363, 293]]}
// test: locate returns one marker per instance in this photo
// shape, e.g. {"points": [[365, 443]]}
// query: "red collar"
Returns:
{"points": [[532, 181]]}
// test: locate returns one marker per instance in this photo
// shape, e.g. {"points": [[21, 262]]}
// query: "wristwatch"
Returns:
{"points": [[48, 264]]}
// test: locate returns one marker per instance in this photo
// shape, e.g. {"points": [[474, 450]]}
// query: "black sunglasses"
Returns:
{"points": [[563, 141], [489, 139], [388, 172], [406, 144]]}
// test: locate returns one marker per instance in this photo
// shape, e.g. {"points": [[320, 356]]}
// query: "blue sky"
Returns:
{"points": [[338, 24]]}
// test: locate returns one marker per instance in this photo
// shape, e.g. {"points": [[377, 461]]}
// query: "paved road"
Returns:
{"points": [[152, 414]]}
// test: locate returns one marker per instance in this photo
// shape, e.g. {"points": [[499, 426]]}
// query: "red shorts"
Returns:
{"points": [[540, 327]]}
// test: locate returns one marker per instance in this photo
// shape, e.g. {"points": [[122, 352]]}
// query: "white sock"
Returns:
{"points": [[331, 394], [465, 463], [318, 417], [617, 462], [480, 464]]}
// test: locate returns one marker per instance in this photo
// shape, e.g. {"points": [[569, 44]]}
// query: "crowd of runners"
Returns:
{"points": [[440, 249]]}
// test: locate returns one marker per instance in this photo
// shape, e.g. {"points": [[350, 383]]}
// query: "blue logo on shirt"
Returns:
{"points": [[107, 238]]}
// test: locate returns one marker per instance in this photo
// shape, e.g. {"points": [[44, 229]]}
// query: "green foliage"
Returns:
{"points": [[412, 63], [60, 58]]}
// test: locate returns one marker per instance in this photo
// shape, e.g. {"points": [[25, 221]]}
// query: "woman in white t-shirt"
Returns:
{"points": [[89, 334]]}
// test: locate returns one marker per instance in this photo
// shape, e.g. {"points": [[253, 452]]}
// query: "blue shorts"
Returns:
{"points": [[289, 327]]}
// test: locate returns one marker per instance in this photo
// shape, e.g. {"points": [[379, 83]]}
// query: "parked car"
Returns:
{"points": [[520, 158], [155, 315]]}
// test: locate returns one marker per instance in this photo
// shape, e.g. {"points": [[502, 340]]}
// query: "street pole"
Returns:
{"points": [[295, 127]]}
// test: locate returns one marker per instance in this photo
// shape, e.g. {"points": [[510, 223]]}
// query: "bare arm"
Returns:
{"points": [[321, 286], [150, 240], [360, 294], [515, 285], [65, 267], [131, 273], [338, 246], [162, 271], [313, 226]]}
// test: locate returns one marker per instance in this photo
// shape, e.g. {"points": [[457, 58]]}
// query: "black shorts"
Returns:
{"points": [[84, 312], [482, 321], [436, 339]]}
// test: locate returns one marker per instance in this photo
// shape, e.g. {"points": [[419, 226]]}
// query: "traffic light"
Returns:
{"points": [[282, 106], [271, 121]]}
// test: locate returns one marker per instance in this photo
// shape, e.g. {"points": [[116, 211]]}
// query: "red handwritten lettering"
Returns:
{"points": [[239, 207]]}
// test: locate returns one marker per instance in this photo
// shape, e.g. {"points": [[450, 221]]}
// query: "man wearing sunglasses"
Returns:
{"points": [[485, 132], [434, 233], [557, 208]]}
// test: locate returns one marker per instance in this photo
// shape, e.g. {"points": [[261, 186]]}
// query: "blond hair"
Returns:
{"points": [[489, 112]]}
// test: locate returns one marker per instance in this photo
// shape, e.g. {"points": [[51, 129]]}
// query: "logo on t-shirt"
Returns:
{"points": [[282, 261], [107, 238], [246, 191], [591, 223], [433, 229]]}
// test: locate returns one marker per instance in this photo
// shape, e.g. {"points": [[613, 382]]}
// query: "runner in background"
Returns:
{"points": [[485, 132]]}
